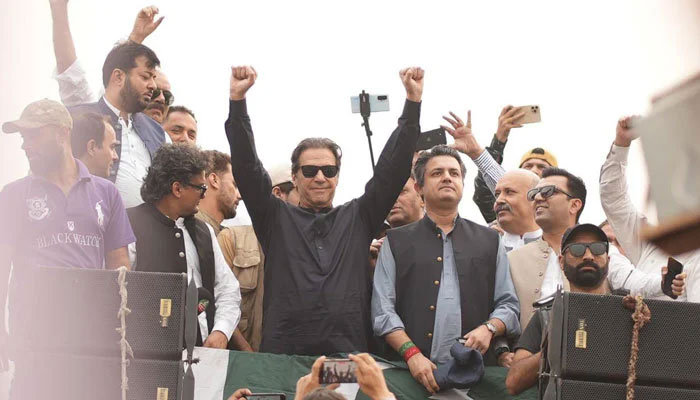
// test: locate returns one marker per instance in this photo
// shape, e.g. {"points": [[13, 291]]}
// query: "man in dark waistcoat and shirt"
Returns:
{"points": [[170, 239], [317, 273], [442, 278]]}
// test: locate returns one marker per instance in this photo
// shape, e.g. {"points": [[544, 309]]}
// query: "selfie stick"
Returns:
{"points": [[365, 111]]}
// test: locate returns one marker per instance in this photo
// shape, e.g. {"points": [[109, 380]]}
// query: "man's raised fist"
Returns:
{"points": [[242, 78], [412, 79]]}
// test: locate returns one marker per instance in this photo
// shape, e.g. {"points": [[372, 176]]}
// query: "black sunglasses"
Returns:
{"points": [[202, 188], [167, 95], [579, 249], [329, 171], [546, 192]]}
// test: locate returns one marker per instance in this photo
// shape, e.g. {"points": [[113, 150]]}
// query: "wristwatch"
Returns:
{"points": [[491, 327]]}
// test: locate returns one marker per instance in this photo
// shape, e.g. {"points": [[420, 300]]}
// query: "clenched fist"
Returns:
{"points": [[624, 134], [412, 79], [242, 78]]}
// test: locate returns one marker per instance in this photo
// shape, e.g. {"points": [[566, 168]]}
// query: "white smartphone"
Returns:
{"points": [[377, 103]]}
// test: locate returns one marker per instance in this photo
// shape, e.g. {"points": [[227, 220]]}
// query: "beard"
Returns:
{"points": [[227, 206], [131, 99], [230, 212], [586, 279], [47, 162]]}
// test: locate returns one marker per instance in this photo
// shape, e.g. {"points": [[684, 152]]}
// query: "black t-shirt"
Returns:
{"points": [[531, 339]]}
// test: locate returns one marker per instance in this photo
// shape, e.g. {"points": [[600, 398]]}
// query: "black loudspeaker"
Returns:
{"points": [[74, 311], [561, 389], [70, 377], [591, 336]]}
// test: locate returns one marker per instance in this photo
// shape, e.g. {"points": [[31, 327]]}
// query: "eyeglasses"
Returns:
{"points": [[579, 249], [202, 188], [546, 192], [167, 95], [329, 171]]}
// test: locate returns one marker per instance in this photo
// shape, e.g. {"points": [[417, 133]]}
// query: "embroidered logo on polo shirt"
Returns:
{"points": [[71, 225], [100, 215], [38, 209]]}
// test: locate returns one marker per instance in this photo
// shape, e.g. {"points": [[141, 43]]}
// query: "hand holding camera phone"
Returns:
{"points": [[531, 115], [426, 140], [674, 268], [338, 370]]}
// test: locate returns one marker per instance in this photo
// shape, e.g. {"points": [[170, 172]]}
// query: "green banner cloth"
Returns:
{"points": [[274, 373]]}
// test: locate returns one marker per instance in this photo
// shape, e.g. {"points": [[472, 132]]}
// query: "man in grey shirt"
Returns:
{"points": [[442, 278]]}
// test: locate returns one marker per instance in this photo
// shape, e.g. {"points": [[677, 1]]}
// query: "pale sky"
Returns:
{"points": [[584, 63]]}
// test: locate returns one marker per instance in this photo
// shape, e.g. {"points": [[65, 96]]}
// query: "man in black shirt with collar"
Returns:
{"points": [[317, 273]]}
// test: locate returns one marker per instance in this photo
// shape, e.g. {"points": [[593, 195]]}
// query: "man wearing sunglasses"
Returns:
{"points": [[317, 273], [558, 201], [161, 99], [585, 262], [170, 239]]}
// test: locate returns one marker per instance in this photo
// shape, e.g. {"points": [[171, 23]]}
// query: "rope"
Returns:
{"points": [[640, 316], [123, 312]]}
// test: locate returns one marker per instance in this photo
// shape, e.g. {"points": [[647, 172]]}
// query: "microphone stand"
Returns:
{"points": [[365, 112]]}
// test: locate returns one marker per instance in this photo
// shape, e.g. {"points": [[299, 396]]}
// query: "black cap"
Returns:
{"points": [[583, 228]]}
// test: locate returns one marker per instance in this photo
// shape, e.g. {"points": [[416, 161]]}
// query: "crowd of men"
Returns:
{"points": [[118, 180]]}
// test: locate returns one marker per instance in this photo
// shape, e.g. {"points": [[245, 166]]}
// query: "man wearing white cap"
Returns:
{"points": [[282, 185]]}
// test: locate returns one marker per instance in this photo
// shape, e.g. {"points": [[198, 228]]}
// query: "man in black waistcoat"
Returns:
{"points": [[170, 239], [442, 278]]}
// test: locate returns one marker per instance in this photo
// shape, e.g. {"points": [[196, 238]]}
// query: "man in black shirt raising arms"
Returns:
{"points": [[317, 273]]}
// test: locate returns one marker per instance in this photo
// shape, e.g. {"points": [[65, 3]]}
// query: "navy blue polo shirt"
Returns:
{"points": [[45, 227]]}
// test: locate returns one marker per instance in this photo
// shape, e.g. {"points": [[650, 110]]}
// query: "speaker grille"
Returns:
{"points": [[668, 349], [68, 377], [573, 390], [78, 309]]}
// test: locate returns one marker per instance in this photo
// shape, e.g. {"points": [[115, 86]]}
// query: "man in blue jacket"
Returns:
{"points": [[129, 74]]}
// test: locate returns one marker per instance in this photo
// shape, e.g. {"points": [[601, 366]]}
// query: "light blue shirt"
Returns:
{"points": [[448, 313]]}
